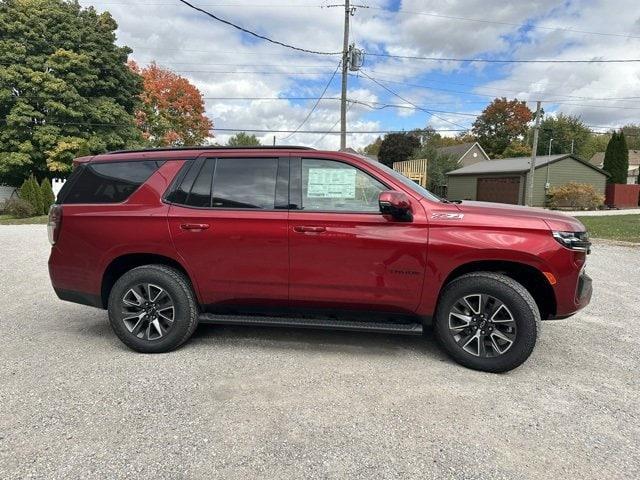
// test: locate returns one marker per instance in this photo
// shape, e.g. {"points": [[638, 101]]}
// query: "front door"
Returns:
{"points": [[344, 253], [228, 221]]}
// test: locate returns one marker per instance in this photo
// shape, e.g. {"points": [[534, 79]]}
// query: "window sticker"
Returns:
{"points": [[331, 183]]}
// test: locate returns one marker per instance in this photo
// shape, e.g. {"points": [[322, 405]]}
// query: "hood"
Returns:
{"points": [[556, 221]]}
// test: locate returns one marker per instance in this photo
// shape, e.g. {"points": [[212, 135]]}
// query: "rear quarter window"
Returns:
{"points": [[109, 182]]}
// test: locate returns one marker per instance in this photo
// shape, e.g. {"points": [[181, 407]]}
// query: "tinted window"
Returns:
{"points": [[180, 194], [111, 182], [200, 194], [336, 186], [245, 183]]}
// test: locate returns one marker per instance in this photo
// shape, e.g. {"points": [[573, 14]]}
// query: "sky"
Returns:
{"points": [[229, 66]]}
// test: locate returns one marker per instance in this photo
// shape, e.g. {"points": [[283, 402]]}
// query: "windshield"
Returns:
{"points": [[407, 182]]}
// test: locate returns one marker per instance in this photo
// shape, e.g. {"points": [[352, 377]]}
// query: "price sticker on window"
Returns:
{"points": [[331, 183]]}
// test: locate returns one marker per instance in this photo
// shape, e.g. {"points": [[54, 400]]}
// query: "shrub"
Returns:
{"points": [[47, 195], [30, 192], [18, 208], [578, 196]]}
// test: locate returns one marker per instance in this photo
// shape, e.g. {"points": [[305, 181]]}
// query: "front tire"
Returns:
{"points": [[487, 321], [152, 309]]}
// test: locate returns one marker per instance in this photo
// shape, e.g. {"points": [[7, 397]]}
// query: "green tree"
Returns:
{"points": [[65, 88], [563, 129], [517, 148], [47, 195], [438, 165], [243, 139], [595, 144], [373, 148], [30, 193], [632, 134], [616, 158], [500, 123], [397, 147]]}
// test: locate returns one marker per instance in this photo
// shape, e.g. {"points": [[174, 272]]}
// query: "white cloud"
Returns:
{"points": [[224, 63]]}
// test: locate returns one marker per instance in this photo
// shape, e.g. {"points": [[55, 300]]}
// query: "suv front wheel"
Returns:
{"points": [[152, 309], [487, 321]]}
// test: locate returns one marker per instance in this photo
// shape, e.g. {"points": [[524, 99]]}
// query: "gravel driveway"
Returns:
{"points": [[274, 403]]}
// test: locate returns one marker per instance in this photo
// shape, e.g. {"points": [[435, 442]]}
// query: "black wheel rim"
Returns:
{"points": [[148, 311], [482, 325]]}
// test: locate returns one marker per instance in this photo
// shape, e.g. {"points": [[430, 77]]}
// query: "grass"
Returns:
{"points": [[614, 227], [9, 220]]}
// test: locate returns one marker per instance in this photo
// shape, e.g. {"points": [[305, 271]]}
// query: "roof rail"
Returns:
{"points": [[165, 149]]}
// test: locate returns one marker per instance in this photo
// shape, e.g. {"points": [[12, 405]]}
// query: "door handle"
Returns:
{"points": [[194, 226], [306, 229]]}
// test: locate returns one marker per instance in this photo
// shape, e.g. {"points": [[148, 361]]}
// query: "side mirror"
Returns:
{"points": [[395, 204]]}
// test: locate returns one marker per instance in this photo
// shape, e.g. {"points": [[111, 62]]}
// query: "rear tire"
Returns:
{"points": [[152, 309], [487, 321]]}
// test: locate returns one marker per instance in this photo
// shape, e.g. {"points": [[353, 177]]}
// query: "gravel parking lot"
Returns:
{"points": [[274, 403]]}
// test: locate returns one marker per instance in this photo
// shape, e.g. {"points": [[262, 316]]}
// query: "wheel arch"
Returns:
{"points": [[123, 263], [531, 278]]}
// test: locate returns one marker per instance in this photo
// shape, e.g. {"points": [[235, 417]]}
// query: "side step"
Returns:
{"points": [[318, 323]]}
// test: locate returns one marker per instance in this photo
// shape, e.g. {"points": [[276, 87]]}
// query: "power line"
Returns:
{"points": [[410, 103], [488, 60], [519, 25], [315, 105], [257, 35]]}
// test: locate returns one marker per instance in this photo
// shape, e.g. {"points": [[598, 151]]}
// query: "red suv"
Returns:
{"points": [[165, 239]]}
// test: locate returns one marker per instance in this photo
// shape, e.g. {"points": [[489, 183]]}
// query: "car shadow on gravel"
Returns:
{"points": [[290, 338]]}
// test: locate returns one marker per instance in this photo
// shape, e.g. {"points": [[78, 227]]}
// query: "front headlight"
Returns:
{"points": [[574, 240]]}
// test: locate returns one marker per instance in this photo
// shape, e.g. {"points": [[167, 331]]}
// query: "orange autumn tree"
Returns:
{"points": [[500, 124], [172, 109]]}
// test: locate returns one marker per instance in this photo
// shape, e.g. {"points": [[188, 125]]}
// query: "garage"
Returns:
{"points": [[507, 180], [499, 189]]}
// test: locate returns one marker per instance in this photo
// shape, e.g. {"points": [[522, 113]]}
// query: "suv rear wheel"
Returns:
{"points": [[152, 309], [487, 321]]}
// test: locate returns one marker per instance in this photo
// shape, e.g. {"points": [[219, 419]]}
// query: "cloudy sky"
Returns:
{"points": [[228, 66]]}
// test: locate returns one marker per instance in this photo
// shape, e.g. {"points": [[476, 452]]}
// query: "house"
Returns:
{"points": [[634, 164], [506, 180], [465, 153]]}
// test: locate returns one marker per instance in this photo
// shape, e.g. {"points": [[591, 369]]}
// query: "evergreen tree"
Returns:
{"points": [[48, 198], [616, 158], [65, 87], [29, 195]]}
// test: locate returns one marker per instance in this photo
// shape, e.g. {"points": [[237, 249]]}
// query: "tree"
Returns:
{"points": [[616, 158], [563, 129], [438, 165], [243, 139], [500, 123], [30, 192], [65, 88], [594, 144], [397, 147], [47, 195], [373, 148], [172, 109], [632, 135], [517, 148]]}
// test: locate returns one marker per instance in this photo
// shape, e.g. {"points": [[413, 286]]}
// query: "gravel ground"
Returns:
{"points": [[275, 403]]}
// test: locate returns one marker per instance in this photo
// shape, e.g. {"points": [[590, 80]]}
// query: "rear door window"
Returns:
{"points": [[109, 182], [245, 183]]}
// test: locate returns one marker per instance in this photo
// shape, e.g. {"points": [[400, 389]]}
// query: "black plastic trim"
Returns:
{"points": [[79, 297]]}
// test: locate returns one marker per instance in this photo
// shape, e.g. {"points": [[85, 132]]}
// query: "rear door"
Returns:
{"points": [[344, 253], [228, 221]]}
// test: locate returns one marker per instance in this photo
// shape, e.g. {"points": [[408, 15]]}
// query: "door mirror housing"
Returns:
{"points": [[395, 204]]}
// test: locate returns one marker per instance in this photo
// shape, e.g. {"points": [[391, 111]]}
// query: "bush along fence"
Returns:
{"points": [[33, 199]]}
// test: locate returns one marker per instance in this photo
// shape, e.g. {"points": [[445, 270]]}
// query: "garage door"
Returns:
{"points": [[500, 190]]}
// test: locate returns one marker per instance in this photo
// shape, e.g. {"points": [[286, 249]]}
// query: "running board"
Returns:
{"points": [[318, 323]]}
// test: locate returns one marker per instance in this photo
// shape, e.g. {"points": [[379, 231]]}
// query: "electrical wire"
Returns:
{"points": [[257, 35], [490, 60], [410, 103], [315, 105]]}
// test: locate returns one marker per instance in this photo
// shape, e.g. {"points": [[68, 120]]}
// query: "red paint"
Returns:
{"points": [[365, 261], [622, 196]]}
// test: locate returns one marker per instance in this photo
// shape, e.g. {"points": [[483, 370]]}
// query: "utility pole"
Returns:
{"points": [[532, 167], [345, 73]]}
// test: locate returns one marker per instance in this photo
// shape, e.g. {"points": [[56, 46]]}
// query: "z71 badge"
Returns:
{"points": [[447, 216]]}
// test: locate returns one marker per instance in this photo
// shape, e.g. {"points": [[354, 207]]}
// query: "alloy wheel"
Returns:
{"points": [[148, 311], [482, 325]]}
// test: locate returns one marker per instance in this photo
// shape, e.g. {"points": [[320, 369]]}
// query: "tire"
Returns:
{"points": [[144, 326], [499, 310]]}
